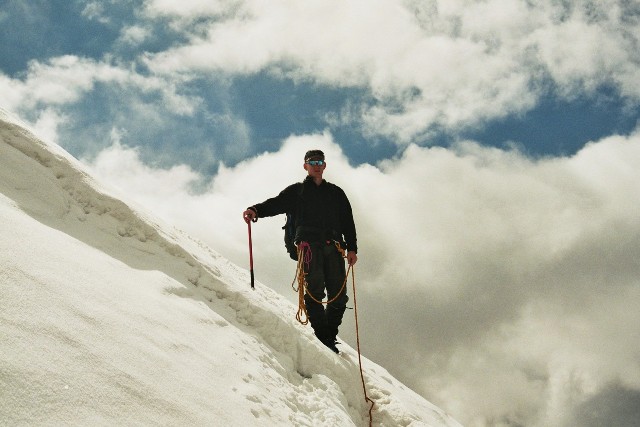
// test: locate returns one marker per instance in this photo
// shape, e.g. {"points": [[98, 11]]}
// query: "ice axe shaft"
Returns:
{"points": [[251, 257]]}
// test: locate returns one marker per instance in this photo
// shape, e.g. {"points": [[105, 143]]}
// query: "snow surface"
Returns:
{"points": [[109, 317]]}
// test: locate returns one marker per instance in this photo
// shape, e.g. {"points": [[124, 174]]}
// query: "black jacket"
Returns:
{"points": [[322, 212]]}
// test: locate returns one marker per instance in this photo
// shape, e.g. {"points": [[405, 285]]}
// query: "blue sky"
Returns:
{"points": [[488, 148]]}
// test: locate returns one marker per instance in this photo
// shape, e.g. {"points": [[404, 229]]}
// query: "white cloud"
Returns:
{"points": [[150, 185], [134, 35], [581, 56], [65, 79], [448, 64], [191, 9], [428, 66], [46, 88], [95, 10], [512, 283], [60, 81], [46, 125]]}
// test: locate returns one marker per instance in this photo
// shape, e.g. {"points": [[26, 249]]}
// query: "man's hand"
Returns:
{"points": [[352, 257], [249, 215]]}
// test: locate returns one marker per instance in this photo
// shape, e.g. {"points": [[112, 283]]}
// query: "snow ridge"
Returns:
{"points": [[283, 374]]}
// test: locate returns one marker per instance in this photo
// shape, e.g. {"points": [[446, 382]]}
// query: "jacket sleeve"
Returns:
{"points": [[348, 224], [282, 203]]}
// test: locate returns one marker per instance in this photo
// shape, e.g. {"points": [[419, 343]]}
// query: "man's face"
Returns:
{"points": [[314, 169]]}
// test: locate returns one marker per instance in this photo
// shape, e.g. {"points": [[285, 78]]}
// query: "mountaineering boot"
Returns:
{"points": [[331, 344], [327, 340]]}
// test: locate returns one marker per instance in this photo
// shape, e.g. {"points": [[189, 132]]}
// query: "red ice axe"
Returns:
{"points": [[251, 255]]}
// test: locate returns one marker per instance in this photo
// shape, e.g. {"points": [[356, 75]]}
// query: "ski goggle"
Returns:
{"points": [[315, 162]]}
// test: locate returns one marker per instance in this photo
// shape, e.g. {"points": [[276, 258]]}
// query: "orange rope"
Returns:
{"points": [[300, 277], [355, 311], [302, 308]]}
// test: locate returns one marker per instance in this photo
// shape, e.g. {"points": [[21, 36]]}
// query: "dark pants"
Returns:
{"points": [[326, 271]]}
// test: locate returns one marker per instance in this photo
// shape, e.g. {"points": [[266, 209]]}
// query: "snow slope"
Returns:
{"points": [[109, 317]]}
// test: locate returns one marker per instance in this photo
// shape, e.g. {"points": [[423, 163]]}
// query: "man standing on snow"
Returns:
{"points": [[323, 218]]}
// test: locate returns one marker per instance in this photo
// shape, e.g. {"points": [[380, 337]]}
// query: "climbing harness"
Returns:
{"points": [[304, 258]]}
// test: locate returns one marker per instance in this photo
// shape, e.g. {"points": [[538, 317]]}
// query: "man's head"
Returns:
{"points": [[313, 155], [314, 163]]}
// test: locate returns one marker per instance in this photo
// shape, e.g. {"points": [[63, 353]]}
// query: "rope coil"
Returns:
{"points": [[304, 257]]}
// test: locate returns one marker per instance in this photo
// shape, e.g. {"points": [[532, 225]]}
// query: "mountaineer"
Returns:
{"points": [[324, 230]]}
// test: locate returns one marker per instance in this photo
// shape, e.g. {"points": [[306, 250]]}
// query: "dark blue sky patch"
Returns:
{"points": [[360, 149], [42, 29], [143, 120], [560, 127], [277, 108]]}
